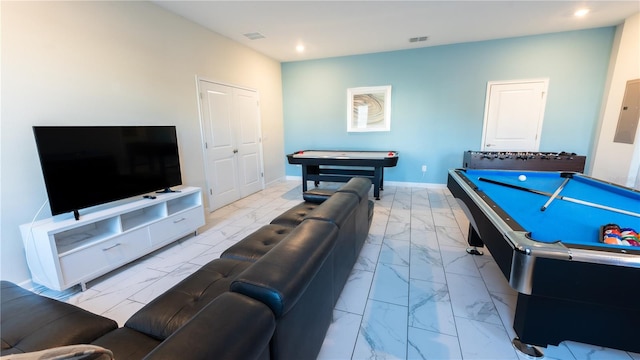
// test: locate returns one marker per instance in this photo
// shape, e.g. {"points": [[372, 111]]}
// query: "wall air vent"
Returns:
{"points": [[254, 36], [418, 39]]}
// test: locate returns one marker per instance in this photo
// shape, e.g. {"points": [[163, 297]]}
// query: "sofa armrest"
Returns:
{"points": [[32, 322], [317, 196], [338, 209], [232, 326]]}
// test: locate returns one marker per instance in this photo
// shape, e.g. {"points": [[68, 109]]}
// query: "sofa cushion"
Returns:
{"points": [[32, 322], [295, 215], [257, 243], [232, 326], [126, 343], [168, 312], [281, 276]]}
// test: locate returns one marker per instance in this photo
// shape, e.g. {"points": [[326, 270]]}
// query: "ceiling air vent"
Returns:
{"points": [[418, 38], [254, 36]]}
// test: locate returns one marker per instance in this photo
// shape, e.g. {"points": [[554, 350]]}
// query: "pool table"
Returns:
{"points": [[340, 166], [570, 285]]}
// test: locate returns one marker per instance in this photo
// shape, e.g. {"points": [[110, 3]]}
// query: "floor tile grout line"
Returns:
{"points": [[455, 323], [373, 277]]}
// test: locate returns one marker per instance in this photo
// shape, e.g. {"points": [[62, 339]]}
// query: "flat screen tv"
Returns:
{"points": [[84, 166]]}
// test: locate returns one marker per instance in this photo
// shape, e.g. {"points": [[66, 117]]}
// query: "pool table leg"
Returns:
{"points": [[526, 348], [474, 241]]}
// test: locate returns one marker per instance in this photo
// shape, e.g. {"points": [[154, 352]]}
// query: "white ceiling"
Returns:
{"points": [[338, 28]]}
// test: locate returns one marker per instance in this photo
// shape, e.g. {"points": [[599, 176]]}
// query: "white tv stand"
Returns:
{"points": [[64, 253]]}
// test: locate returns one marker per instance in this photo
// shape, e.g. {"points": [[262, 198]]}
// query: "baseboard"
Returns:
{"points": [[27, 284], [415, 184], [392, 183], [276, 181]]}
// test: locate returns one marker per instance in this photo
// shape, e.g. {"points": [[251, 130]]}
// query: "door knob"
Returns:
{"points": [[235, 151]]}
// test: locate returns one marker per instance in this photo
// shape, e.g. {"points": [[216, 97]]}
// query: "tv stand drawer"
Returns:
{"points": [[176, 226], [97, 259]]}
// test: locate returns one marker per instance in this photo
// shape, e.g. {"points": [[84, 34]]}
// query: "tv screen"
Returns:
{"points": [[85, 166]]}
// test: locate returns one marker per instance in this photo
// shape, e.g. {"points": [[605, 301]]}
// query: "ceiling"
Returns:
{"points": [[339, 28]]}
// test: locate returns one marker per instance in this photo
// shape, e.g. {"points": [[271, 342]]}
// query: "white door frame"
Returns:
{"points": [[202, 131], [507, 82]]}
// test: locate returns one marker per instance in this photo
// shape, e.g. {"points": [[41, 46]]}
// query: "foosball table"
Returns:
{"points": [[507, 160]]}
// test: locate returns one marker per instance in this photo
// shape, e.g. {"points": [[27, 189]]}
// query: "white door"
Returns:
{"points": [[248, 141], [514, 111], [231, 126]]}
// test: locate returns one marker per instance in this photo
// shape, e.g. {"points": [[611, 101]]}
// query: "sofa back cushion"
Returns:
{"points": [[231, 327], [295, 279], [169, 311], [359, 186], [337, 209], [281, 276], [294, 216], [258, 243]]}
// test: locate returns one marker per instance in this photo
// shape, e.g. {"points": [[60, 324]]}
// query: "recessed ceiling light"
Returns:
{"points": [[300, 48], [581, 12]]}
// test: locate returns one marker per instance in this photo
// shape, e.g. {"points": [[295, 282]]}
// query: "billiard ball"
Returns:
{"points": [[522, 177]]}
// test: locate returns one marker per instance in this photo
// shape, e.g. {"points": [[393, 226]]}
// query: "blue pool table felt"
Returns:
{"points": [[563, 221]]}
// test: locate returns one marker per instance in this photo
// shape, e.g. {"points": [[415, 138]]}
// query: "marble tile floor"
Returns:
{"points": [[414, 293]]}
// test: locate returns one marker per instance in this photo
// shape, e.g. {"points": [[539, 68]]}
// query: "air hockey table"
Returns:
{"points": [[340, 166]]}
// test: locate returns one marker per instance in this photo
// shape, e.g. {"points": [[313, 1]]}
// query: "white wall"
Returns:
{"points": [[616, 162], [114, 63]]}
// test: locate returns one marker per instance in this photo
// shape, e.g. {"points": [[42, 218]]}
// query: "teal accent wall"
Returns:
{"points": [[438, 98]]}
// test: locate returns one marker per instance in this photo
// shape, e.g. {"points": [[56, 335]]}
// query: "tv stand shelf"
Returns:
{"points": [[62, 253]]}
